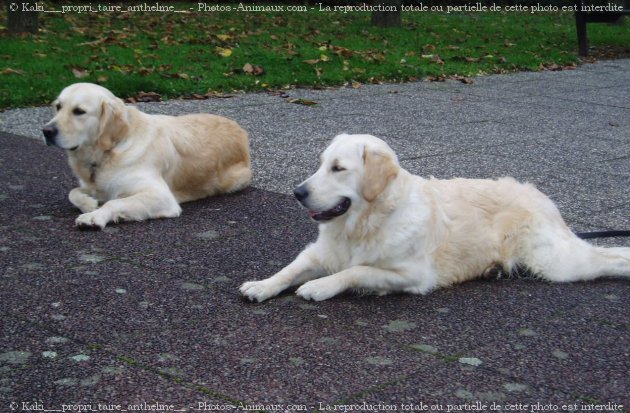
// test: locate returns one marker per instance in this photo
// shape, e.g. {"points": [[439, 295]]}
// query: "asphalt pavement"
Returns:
{"points": [[147, 316]]}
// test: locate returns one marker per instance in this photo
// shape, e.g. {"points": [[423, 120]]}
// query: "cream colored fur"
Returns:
{"points": [[409, 234], [135, 166]]}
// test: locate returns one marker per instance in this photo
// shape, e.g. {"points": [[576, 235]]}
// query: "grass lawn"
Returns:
{"points": [[193, 53]]}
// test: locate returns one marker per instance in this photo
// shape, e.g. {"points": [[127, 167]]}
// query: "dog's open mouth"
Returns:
{"points": [[340, 209]]}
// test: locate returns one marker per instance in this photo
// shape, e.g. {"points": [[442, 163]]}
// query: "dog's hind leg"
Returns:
{"points": [[558, 255], [236, 177]]}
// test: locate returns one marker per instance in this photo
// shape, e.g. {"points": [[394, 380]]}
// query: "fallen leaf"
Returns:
{"points": [[251, 69], [94, 43], [549, 66], [324, 58], [301, 101], [471, 59], [346, 53], [125, 68], [437, 59], [428, 47], [311, 61], [356, 85], [248, 68], [258, 70], [9, 71], [278, 93], [164, 68], [452, 47], [219, 95], [147, 97], [223, 37], [379, 57], [209, 95], [80, 73], [101, 79], [225, 52], [145, 71]]}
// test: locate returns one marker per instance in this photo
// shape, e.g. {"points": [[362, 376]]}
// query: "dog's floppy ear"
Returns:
{"points": [[113, 123], [379, 168]]}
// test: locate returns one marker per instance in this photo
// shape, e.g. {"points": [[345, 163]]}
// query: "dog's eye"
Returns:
{"points": [[337, 168], [78, 111]]}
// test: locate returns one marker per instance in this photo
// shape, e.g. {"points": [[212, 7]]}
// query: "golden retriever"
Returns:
{"points": [[382, 229], [138, 166]]}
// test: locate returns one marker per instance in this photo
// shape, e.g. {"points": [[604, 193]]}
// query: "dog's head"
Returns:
{"points": [[354, 169], [86, 114]]}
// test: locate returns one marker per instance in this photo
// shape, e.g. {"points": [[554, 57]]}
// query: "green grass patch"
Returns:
{"points": [[182, 54]]}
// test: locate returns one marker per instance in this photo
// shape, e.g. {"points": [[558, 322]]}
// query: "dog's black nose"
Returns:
{"points": [[50, 132], [301, 193]]}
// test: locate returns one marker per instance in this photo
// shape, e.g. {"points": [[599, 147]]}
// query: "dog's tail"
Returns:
{"points": [[556, 254]]}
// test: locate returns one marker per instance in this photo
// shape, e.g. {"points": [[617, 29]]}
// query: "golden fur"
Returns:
{"points": [[383, 229], [136, 166]]}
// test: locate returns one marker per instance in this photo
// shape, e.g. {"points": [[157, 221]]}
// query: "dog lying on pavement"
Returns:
{"points": [[135, 166], [382, 229]]}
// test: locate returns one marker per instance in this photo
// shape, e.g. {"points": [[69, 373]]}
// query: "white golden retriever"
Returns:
{"points": [[138, 166], [383, 229]]}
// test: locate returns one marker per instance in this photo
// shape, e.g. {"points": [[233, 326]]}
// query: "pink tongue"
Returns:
{"points": [[311, 214]]}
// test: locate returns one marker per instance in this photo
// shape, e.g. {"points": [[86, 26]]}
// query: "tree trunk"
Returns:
{"points": [[20, 21], [387, 18]]}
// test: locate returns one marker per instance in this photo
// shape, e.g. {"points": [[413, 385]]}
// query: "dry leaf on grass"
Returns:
{"points": [[301, 101], [223, 51], [144, 97], [251, 69], [437, 59], [9, 71]]}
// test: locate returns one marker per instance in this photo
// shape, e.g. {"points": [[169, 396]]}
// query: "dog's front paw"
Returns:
{"points": [[89, 205], [92, 220], [319, 290], [83, 201], [259, 290]]}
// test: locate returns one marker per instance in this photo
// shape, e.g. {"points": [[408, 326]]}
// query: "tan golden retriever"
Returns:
{"points": [[382, 229], [134, 166]]}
